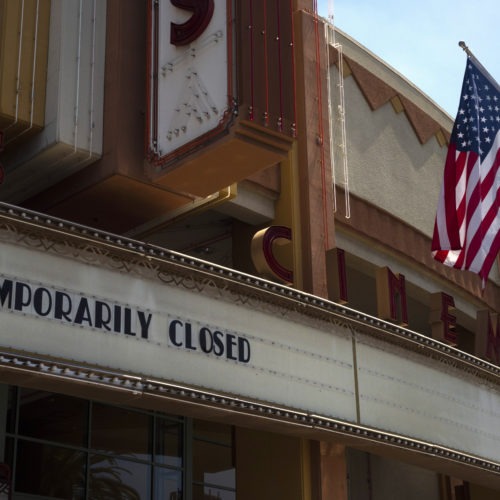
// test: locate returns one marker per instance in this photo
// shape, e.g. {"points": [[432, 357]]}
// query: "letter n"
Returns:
{"points": [[487, 341], [391, 296]]}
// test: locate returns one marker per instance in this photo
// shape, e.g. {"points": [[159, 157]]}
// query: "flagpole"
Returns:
{"points": [[466, 49], [474, 58]]}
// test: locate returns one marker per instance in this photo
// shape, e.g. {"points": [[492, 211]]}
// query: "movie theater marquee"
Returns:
{"points": [[59, 301]]}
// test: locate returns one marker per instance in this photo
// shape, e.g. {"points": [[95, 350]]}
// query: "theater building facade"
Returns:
{"points": [[215, 269]]}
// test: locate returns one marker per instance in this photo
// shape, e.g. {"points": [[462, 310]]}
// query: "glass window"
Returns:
{"points": [[114, 477], [213, 465], [168, 445], [53, 417], [212, 493], [11, 409], [213, 431], [51, 471], [118, 430], [167, 484], [61, 447]]}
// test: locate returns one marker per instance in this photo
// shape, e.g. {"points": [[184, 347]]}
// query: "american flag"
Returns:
{"points": [[467, 227]]}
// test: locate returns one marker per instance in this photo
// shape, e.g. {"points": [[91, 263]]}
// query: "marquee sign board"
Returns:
{"points": [[90, 312], [188, 74], [134, 313]]}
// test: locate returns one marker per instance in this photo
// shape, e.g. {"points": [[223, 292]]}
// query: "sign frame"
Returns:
{"points": [[211, 107]]}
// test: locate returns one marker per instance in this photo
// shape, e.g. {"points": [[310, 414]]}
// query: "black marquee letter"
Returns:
{"points": [[38, 301], [172, 332], [6, 293]]}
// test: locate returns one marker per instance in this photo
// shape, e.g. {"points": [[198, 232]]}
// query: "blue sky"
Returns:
{"points": [[419, 38]]}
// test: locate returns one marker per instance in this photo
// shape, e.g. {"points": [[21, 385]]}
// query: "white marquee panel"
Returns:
{"points": [[407, 394], [284, 361]]}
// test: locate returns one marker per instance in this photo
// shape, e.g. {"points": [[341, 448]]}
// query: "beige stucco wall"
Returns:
{"points": [[388, 165]]}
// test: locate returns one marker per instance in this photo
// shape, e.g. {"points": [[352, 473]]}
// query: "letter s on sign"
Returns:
{"points": [[185, 33]]}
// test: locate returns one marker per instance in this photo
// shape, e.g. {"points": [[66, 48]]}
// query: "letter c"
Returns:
{"points": [[262, 252], [172, 332]]}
